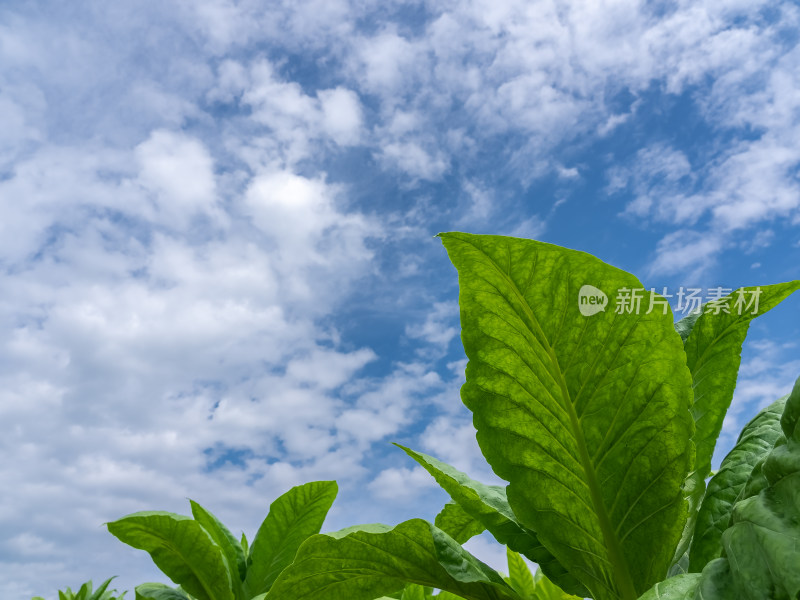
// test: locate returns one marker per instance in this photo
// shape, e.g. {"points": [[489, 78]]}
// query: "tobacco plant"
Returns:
{"points": [[603, 422], [85, 592], [208, 562]]}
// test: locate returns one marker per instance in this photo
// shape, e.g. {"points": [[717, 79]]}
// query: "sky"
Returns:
{"points": [[218, 270]]}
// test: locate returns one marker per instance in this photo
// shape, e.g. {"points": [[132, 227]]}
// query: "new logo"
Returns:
{"points": [[591, 300]]}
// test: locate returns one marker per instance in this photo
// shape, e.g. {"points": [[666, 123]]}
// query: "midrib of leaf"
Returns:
{"points": [[618, 563]]}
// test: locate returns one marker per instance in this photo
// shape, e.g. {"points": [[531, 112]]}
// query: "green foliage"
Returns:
{"points": [[292, 518], [756, 440], [603, 423], [208, 562], [488, 506], [458, 523], [368, 561], [87, 593], [159, 591], [526, 585], [713, 342], [760, 554]]}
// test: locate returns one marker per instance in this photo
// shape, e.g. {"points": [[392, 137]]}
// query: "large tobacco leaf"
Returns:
{"points": [[761, 546], [489, 506], [713, 339], [369, 561], [586, 417]]}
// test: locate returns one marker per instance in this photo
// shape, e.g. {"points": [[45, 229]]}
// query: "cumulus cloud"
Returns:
{"points": [[179, 174], [401, 484], [295, 120], [439, 326], [686, 251]]}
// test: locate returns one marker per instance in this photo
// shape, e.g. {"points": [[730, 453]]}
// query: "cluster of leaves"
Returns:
{"points": [[87, 593], [208, 563], [604, 427]]}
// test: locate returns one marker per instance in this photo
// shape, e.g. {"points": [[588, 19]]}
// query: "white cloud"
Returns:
{"points": [[414, 160], [342, 118], [295, 119], [179, 172], [532, 228], [440, 325], [660, 178], [480, 203], [326, 369], [312, 236], [387, 64], [127, 342], [22, 111], [372, 417], [685, 251], [400, 485]]}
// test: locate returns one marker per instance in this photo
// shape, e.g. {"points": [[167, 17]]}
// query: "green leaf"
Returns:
{"points": [[159, 591], [292, 518], [680, 587], [519, 575], [763, 542], [547, 590], [713, 344], [83, 591], [457, 523], [447, 596], [103, 593], [533, 587], [756, 440], [181, 548], [245, 548], [100, 593], [368, 561], [761, 547], [413, 592], [686, 324], [586, 417], [713, 355], [488, 505], [234, 555]]}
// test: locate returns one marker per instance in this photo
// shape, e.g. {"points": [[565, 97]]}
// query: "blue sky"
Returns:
{"points": [[218, 271]]}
